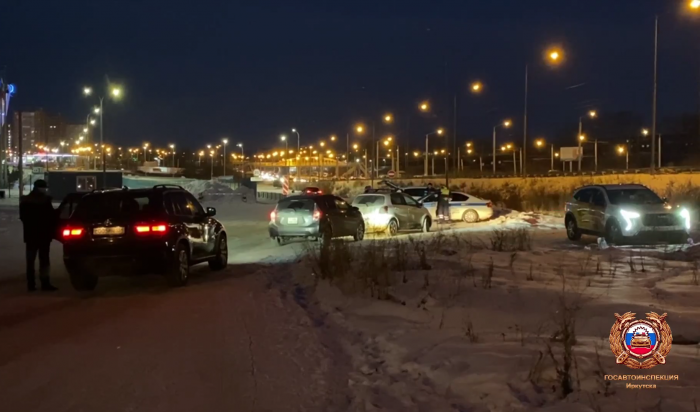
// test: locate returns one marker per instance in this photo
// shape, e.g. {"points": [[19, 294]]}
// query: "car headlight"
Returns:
{"points": [[685, 214], [629, 216]]}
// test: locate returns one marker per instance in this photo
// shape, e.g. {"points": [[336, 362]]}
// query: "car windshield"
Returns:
{"points": [[119, 205], [368, 200], [633, 196], [296, 204]]}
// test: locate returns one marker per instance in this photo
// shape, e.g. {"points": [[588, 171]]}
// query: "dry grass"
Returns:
{"points": [[511, 240]]}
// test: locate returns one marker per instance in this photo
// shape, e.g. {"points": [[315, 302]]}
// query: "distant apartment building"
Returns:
{"points": [[37, 128]]}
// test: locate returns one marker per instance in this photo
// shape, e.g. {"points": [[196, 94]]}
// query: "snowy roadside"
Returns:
{"points": [[454, 325]]}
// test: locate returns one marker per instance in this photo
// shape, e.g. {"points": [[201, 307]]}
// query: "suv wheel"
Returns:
{"points": [[359, 232], [220, 261], [572, 231], [613, 233], [393, 228], [80, 279], [179, 271]]}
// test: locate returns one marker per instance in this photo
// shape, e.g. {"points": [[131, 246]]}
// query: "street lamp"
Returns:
{"points": [[553, 56], [505, 124], [241, 146], [115, 92], [298, 139], [592, 114], [476, 87], [623, 150], [172, 147], [225, 142], [427, 136], [424, 107]]}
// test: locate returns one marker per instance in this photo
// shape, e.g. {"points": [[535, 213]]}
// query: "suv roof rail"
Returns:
{"points": [[168, 186], [108, 189]]}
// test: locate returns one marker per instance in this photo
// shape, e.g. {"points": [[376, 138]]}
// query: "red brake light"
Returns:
{"points": [[72, 232], [317, 215], [153, 228], [320, 192], [273, 215]]}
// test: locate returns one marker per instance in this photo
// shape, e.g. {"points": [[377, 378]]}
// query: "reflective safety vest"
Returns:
{"points": [[445, 191]]}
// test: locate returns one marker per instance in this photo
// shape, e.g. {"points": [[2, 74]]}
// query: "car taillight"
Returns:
{"points": [[489, 204], [317, 215], [72, 232], [273, 215], [152, 228], [384, 209], [320, 192]]}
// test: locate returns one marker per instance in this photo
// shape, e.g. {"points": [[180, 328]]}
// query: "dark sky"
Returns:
{"points": [[196, 71]]}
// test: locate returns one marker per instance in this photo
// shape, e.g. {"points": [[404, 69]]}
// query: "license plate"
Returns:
{"points": [[292, 220], [108, 231]]}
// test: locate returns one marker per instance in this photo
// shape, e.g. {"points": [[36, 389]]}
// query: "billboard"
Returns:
{"points": [[570, 154]]}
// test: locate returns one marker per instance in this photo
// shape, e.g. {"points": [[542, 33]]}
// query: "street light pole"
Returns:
{"points": [[524, 167], [298, 139], [580, 142], [653, 121], [104, 164], [225, 141], [493, 155], [551, 166]]}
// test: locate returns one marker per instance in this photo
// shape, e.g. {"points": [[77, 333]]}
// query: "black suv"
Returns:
{"points": [[163, 229]]}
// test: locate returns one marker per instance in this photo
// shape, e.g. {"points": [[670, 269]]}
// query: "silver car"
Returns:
{"points": [[392, 212], [625, 213], [467, 208]]}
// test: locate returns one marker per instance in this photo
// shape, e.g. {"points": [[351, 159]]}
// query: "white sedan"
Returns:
{"points": [[468, 208]]}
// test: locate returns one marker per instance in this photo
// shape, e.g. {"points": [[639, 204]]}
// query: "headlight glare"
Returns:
{"points": [[629, 216], [685, 214]]}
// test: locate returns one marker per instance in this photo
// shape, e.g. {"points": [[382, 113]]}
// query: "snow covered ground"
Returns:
{"points": [[475, 329]]}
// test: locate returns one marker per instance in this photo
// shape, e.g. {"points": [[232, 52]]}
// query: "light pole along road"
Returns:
{"points": [[116, 93]]}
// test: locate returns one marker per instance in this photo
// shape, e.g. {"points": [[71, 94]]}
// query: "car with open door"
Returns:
{"points": [[392, 212], [464, 207], [125, 232], [316, 217]]}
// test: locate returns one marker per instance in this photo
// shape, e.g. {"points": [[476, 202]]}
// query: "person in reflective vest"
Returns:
{"points": [[443, 206]]}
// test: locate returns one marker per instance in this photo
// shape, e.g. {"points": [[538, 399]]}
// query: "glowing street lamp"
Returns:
{"points": [[476, 87], [695, 4], [506, 124], [424, 107], [115, 92], [591, 114], [622, 150], [438, 132], [645, 132], [172, 147]]}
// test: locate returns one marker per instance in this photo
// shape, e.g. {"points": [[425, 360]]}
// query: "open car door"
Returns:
{"points": [[65, 211]]}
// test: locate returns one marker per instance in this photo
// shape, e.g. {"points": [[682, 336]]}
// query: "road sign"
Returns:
{"points": [[391, 173], [256, 172], [570, 154]]}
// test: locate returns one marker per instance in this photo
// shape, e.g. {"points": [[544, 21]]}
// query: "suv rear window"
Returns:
{"points": [[296, 204], [119, 205], [370, 200]]}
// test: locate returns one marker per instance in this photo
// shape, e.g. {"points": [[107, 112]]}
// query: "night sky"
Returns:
{"points": [[197, 71]]}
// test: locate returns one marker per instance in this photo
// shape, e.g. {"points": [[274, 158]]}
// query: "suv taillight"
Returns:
{"points": [[317, 215], [273, 216], [151, 228], [72, 232]]}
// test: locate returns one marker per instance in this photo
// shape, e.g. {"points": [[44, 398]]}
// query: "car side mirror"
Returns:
{"points": [[211, 211], [420, 204]]}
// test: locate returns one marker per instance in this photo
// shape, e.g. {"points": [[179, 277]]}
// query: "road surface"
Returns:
{"points": [[236, 340]]}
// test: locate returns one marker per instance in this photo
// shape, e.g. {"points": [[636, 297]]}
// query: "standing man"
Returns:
{"points": [[39, 223], [444, 205]]}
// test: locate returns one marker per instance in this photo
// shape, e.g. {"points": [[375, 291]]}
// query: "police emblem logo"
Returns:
{"points": [[641, 343]]}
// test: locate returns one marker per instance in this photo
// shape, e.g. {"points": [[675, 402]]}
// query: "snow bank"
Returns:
{"points": [[481, 330]]}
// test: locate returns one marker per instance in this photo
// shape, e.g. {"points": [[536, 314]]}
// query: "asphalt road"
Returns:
{"points": [[237, 340]]}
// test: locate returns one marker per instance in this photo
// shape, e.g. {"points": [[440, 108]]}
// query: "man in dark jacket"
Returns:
{"points": [[39, 222]]}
